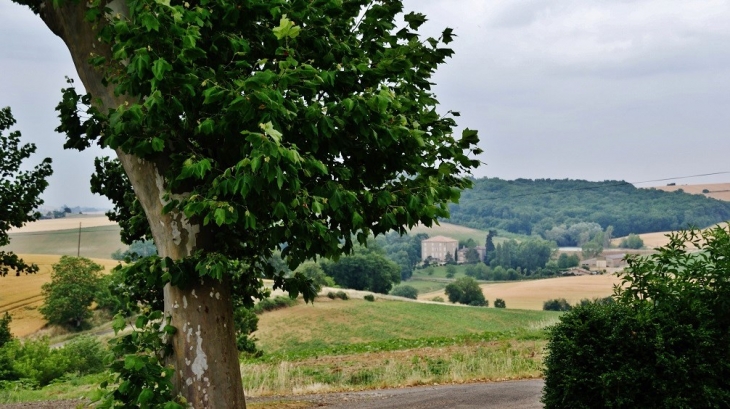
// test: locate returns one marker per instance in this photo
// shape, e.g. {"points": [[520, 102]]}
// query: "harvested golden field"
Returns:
{"points": [[21, 296], [720, 191], [66, 223], [530, 295]]}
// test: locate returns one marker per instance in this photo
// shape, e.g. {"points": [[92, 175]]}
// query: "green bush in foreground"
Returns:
{"points": [[664, 343], [369, 297], [35, 363], [499, 303]]}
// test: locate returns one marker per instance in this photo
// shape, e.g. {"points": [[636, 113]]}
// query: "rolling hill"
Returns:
{"points": [[535, 206]]}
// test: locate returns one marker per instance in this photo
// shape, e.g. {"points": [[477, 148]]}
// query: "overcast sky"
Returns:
{"points": [[621, 90]]}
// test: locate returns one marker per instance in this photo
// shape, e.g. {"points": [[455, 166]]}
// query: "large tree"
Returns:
{"points": [[20, 190], [246, 127]]}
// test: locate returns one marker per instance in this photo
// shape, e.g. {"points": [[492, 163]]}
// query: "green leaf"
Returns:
{"points": [[286, 29], [160, 67], [145, 396], [119, 323], [269, 130], [150, 22], [206, 127], [158, 144], [415, 20], [220, 216], [357, 220]]}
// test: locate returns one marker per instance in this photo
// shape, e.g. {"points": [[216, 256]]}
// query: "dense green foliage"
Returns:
{"points": [[557, 304], [275, 303], [314, 272], [20, 190], [35, 363], [529, 255], [465, 290], [403, 249], [301, 126], [406, 291], [5, 334], [665, 342], [568, 261], [537, 206], [365, 270], [632, 241], [67, 298], [246, 321], [499, 303]]}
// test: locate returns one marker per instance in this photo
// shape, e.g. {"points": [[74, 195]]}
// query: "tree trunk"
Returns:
{"points": [[205, 355]]}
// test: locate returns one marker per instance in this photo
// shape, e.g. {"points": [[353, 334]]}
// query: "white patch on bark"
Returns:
{"points": [[176, 305], [200, 364], [217, 296], [176, 236], [189, 333], [193, 293], [185, 302], [189, 381]]}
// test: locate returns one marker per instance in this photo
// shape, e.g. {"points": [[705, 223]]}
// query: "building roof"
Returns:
{"points": [[440, 239]]}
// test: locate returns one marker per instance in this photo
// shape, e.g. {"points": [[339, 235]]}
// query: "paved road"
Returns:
{"points": [[502, 395]]}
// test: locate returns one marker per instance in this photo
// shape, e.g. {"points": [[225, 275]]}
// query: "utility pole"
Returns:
{"points": [[78, 247]]}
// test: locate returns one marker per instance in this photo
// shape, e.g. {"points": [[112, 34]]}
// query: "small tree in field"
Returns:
{"points": [[465, 290], [74, 283], [19, 191], [499, 303]]}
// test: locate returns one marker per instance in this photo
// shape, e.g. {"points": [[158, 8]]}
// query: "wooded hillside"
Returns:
{"points": [[534, 206]]}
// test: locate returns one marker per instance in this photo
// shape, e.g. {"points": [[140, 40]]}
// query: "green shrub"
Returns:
{"points": [[342, 295], [437, 299], [331, 295], [36, 364], [271, 304], [557, 304], [246, 321], [5, 334], [406, 291], [664, 342], [465, 290], [369, 297], [499, 303], [85, 355]]}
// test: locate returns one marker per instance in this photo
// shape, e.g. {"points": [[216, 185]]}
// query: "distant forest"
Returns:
{"points": [[527, 206]]}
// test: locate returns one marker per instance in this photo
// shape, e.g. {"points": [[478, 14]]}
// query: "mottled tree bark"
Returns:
{"points": [[205, 355]]}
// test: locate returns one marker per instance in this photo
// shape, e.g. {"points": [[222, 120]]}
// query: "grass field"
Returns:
{"points": [[327, 323], [530, 295], [21, 296], [335, 345]]}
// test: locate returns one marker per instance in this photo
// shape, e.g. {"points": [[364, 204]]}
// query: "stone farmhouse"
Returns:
{"points": [[438, 247]]}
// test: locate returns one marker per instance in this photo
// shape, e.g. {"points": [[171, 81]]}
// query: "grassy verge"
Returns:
{"points": [[479, 361]]}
